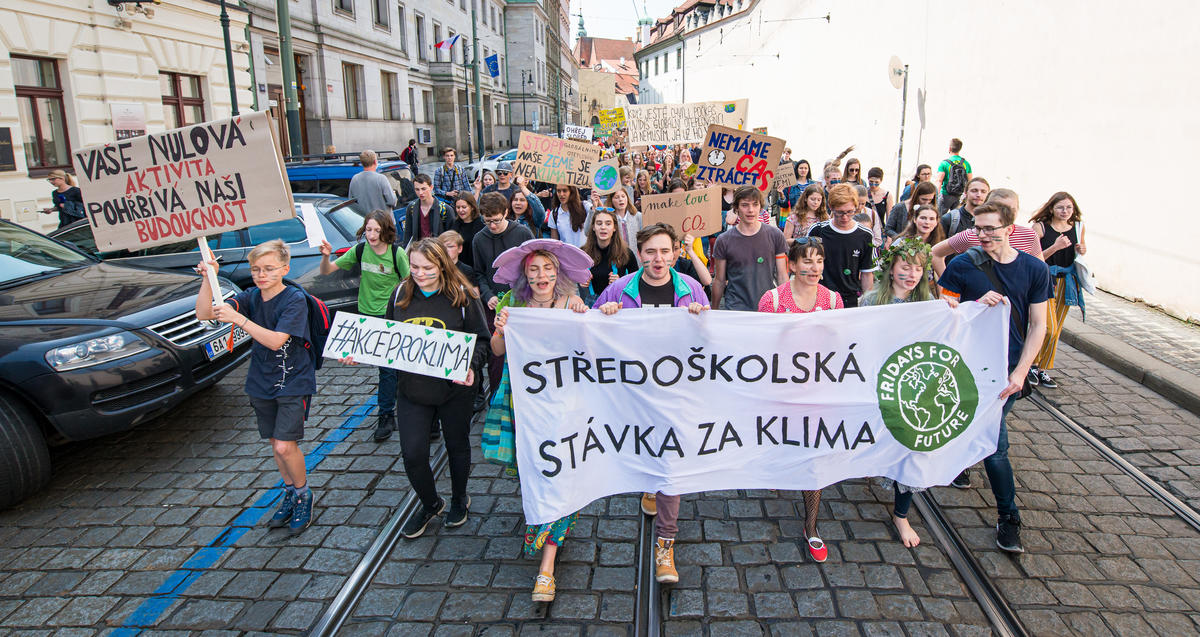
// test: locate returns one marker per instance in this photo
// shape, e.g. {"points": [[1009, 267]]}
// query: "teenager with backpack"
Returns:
{"points": [[281, 378], [954, 173], [992, 273], [381, 266], [963, 217]]}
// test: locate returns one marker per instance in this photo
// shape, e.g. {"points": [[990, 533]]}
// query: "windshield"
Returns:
{"points": [[348, 219], [23, 253]]}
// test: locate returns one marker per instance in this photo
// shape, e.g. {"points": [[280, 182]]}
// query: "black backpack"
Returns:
{"points": [[956, 178], [358, 254], [320, 320]]}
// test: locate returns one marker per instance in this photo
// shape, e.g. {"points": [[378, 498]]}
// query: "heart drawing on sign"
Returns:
{"points": [[362, 320], [428, 332], [449, 371], [389, 323]]}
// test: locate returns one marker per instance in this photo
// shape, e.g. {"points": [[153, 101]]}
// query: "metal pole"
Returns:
{"points": [[558, 103], [475, 71], [229, 59], [524, 113], [287, 60], [900, 153], [467, 92]]}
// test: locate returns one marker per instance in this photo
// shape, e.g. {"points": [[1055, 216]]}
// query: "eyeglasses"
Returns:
{"points": [[502, 172], [603, 209], [995, 232], [266, 269], [1064, 208], [493, 222], [838, 213]]}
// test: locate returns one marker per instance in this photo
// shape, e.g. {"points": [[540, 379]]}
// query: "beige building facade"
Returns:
{"points": [[75, 79]]}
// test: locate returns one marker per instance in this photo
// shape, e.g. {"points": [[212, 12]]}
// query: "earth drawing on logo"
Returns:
{"points": [[605, 178], [927, 395]]}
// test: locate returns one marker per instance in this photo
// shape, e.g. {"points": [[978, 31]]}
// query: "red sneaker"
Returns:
{"points": [[817, 549]]}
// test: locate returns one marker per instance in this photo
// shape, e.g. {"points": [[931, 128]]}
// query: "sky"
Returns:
{"points": [[615, 19]]}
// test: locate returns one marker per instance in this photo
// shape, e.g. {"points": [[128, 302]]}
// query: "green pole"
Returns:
{"points": [[229, 59], [288, 61], [475, 70]]}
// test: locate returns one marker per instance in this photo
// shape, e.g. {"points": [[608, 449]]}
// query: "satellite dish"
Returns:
{"points": [[896, 72]]}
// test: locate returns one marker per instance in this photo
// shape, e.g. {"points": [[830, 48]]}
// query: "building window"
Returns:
{"points": [[462, 4], [182, 98], [389, 87], [352, 83], [427, 104], [412, 103], [656, 65], [422, 53], [40, 105], [380, 8], [494, 26], [678, 58], [437, 37], [402, 34], [345, 6]]}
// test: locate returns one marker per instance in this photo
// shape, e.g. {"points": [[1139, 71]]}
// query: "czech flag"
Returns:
{"points": [[449, 43]]}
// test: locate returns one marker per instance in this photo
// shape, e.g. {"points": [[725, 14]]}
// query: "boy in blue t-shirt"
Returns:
{"points": [[1025, 284], [281, 379]]}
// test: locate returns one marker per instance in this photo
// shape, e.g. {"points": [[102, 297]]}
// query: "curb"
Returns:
{"points": [[1174, 384]]}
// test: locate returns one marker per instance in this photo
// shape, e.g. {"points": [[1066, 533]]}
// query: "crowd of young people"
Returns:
{"points": [[507, 243]]}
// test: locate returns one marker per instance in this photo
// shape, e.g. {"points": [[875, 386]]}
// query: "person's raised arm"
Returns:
{"points": [[941, 250], [204, 297], [326, 266]]}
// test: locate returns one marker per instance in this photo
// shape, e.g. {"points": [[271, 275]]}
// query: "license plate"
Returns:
{"points": [[220, 344]]}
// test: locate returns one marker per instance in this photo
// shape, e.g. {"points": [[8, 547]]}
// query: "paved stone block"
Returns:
{"points": [[472, 606], [815, 603], [613, 578], [421, 605], [617, 607], [774, 605], [685, 603]]}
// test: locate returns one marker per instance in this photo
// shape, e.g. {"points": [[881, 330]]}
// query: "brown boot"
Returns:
{"points": [[664, 561], [649, 504]]}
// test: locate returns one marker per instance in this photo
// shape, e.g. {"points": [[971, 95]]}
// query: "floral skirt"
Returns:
{"points": [[538, 535]]}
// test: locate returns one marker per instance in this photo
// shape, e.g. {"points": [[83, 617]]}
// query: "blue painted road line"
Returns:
{"points": [[149, 611]]}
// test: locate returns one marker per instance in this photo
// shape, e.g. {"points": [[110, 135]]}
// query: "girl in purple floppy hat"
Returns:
{"points": [[543, 273]]}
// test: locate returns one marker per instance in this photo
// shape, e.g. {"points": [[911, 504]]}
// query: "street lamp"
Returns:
{"points": [[526, 79]]}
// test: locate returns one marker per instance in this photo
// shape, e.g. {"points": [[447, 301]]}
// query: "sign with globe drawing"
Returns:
{"points": [[927, 395]]}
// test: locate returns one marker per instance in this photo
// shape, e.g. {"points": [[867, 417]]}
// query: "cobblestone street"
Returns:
{"points": [[160, 528]]}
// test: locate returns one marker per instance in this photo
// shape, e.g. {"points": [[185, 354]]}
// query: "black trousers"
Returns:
{"points": [[414, 423]]}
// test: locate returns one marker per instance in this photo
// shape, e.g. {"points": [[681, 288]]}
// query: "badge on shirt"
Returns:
{"points": [[377, 268]]}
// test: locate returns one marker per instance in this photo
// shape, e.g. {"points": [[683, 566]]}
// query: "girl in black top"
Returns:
{"points": [[610, 253], [467, 223], [1059, 225], [68, 200], [436, 294]]}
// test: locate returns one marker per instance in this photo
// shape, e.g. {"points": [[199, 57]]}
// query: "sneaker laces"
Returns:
{"points": [[662, 554], [543, 581]]}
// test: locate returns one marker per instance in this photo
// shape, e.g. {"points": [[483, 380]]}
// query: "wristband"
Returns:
{"points": [[244, 321]]}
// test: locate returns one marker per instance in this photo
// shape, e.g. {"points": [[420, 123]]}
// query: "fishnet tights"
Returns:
{"points": [[812, 501]]}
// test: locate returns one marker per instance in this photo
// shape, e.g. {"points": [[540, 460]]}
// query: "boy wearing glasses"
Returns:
{"points": [[1022, 282], [281, 379], [849, 247]]}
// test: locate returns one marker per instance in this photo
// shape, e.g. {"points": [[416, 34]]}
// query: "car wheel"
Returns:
{"points": [[24, 456]]}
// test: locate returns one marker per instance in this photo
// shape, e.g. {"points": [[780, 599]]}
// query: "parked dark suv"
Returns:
{"points": [[340, 219], [89, 348], [330, 174]]}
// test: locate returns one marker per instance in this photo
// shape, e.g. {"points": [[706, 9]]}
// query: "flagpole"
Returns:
{"points": [[467, 93], [478, 98]]}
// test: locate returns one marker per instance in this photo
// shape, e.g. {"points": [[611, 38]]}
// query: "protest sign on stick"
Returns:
{"points": [[606, 177], [653, 124], [739, 158], [695, 212], [555, 161], [428, 351], [188, 182], [572, 131], [785, 177], [664, 400]]}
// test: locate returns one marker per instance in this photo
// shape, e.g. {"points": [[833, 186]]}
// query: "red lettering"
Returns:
{"points": [[694, 222], [241, 206], [141, 230]]}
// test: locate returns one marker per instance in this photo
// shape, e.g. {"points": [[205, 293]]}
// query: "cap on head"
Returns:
{"points": [[504, 167]]}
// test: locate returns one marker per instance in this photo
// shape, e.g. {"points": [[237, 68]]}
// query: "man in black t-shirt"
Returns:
{"points": [[849, 251]]}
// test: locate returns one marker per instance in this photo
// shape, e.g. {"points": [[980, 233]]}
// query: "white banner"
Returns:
{"points": [[571, 131], [657, 124], [663, 400], [404, 346]]}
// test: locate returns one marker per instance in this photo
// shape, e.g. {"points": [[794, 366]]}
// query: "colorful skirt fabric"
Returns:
{"points": [[538, 535]]}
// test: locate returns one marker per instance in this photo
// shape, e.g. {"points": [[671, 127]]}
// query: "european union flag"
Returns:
{"points": [[493, 64]]}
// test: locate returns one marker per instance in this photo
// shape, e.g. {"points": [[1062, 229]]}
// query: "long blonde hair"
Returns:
{"points": [[451, 281]]}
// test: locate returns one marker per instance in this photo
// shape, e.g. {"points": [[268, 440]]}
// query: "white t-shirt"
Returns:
{"points": [[560, 220]]}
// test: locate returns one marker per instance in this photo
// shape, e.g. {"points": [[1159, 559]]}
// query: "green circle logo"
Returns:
{"points": [[927, 395]]}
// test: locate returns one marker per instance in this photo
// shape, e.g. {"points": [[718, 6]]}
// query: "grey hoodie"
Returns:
{"points": [[486, 246]]}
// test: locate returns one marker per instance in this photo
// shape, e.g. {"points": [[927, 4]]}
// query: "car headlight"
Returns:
{"points": [[95, 351]]}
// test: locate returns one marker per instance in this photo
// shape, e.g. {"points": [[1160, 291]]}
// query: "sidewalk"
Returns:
{"points": [[1149, 346]]}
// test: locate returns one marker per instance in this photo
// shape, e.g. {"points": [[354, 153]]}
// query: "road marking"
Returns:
{"points": [[148, 612]]}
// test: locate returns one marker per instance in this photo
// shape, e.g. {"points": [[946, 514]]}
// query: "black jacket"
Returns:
{"points": [[440, 216], [486, 247]]}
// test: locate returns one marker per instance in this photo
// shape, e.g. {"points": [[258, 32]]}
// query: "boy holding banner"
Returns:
{"points": [[282, 378], [657, 284]]}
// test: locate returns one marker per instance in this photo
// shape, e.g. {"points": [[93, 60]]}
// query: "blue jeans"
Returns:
{"points": [[386, 396], [902, 501], [999, 469]]}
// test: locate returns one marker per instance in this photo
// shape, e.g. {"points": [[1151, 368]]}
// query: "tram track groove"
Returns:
{"points": [[356, 584], [647, 610]]}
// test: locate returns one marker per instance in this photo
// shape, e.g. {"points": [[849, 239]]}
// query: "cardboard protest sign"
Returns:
{"points": [[661, 399], [404, 346], [761, 130], [695, 212], [571, 131], [188, 182], [555, 161], [612, 118], [606, 177], [785, 177], [651, 124], [738, 158]]}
